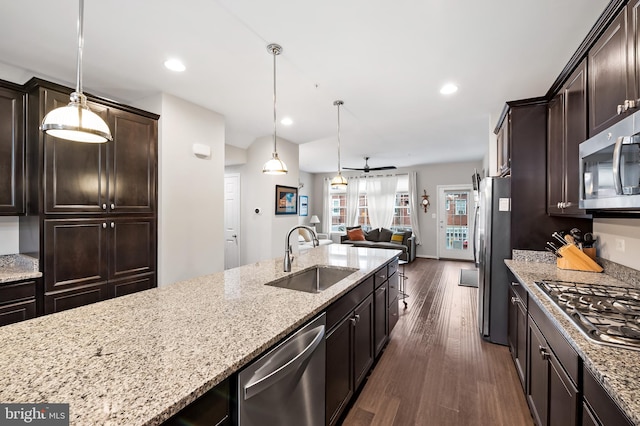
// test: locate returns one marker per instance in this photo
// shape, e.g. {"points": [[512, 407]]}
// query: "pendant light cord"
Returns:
{"points": [[80, 46], [275, 149], [338, 104]]}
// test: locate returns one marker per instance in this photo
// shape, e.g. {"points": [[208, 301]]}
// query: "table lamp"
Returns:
{"points": [[314, 220]]}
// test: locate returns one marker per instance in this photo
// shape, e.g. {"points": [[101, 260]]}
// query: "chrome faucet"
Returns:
{"points": [[287, 247]]}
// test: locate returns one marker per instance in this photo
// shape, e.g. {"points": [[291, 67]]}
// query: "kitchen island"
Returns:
{"points": [[139, 359], [616, 369]]}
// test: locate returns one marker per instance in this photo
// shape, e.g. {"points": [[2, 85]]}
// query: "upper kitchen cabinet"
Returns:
{"points": [[110, 178], [503, 139], [614, 71], [11, 150], [566, 129]]}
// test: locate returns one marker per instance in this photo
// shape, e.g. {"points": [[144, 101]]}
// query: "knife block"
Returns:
{"points": [[573, 258]]}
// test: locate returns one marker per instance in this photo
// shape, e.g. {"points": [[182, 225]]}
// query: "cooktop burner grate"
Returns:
{"points": [[605, 314]]}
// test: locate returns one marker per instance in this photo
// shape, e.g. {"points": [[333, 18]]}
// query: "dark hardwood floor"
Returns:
{"points": [[436, 370]]}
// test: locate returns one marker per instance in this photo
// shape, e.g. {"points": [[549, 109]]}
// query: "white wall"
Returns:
{"points": [[263, 234], [190, 191], [234, 156], [609, 234], [9, 242]]}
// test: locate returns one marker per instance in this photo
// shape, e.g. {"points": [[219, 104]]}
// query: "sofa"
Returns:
{"points": [[305, 242], [382, 238]]}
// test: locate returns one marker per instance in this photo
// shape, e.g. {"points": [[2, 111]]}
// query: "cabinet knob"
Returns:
{"points": [[543, 352], [357, 318], [353, 321], [113, 206], [567, 204], [113, 225], [104, 225], [104, 207], [514, 300]]}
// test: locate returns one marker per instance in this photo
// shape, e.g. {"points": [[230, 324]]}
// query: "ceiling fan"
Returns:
{"points": [[367, 169]]}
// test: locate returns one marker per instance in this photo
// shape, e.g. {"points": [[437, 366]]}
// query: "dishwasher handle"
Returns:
{"points": [[255, 387]]}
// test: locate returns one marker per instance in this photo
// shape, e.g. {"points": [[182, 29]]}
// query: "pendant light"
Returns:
{"points": [[275, 166], [339, 180], [76, 121]]}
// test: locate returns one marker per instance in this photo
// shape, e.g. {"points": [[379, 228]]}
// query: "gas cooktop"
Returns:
{"points": [[605, 314]]}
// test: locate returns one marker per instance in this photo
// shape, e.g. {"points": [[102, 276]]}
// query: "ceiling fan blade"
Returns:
{"points": [[383, 168], [351, 168]]}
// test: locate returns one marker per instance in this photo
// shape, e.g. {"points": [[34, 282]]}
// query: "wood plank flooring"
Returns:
{"points": [[436, 370]]}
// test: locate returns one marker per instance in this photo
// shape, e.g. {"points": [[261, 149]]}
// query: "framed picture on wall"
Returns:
{"points": [[304, 205], [286, 200]]}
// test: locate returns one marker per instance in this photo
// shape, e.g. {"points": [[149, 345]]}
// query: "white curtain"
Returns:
{"points": [[326, 206], [414, 206], [381, 200], [353, 189]]}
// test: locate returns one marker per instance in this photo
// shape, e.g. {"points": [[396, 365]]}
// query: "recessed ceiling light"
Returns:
{"points": [[174, 65], [448, 89], [287, 121]]}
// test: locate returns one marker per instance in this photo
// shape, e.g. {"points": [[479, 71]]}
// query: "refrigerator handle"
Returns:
{"points": [[475, 234]]}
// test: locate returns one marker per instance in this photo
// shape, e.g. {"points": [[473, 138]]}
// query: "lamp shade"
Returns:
{"points": [[275, 166], [339, 180], [314, 220], [76, 122]]}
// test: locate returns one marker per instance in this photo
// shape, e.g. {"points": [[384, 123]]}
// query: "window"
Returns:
{"points": [[461, 207], [402, 212]]}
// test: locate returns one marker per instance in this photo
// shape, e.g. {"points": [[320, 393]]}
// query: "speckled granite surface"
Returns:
{"points": [[16, 267], [138, 359], [617, 369]]}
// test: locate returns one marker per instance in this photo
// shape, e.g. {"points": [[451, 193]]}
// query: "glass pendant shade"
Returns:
{"points": [[275, 166], [76, 122], [339, 180]]}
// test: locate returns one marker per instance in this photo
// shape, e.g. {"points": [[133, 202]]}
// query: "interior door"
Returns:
{"points": [[456, 212], [231, 221]]}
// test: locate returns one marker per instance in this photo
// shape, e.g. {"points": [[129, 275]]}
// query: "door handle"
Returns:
{"points": [[543, 352], [113, 225], [266, 380]]}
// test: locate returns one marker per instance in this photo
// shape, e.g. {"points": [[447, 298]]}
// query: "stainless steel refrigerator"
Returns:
{"points": [[494, 245]]}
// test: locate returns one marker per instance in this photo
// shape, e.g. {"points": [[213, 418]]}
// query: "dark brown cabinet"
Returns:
{"points": [[503, 140], [12, 118], [517, 332], [92, 207], [381, 321], [566, 129], [115, 177], [552, 395], [598, 408], [89, 260], [609, 66], [363, 351], [211, 409], [17, 301]]}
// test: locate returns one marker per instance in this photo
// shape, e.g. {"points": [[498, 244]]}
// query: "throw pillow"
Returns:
{"points": [[304, 234], [397, 237], [355, 234], [385, 235], [373, 235]]}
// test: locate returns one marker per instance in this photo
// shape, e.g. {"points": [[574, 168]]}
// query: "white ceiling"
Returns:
{"points": [[385, 59]]}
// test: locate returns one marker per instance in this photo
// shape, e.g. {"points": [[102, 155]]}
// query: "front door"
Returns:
{"points": [[456, 208], [231, 221]]}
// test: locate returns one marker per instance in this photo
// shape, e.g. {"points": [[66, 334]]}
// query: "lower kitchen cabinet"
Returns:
{"points": [[394, 315], [89, 260], [598, 408], [517, 330], [17, 301], [381, 320], [211, 409]]}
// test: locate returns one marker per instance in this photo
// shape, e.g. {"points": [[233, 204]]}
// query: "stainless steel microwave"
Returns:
{"points": [[610, 167]]}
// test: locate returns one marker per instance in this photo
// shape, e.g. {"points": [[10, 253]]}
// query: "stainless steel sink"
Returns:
{"points": [[314, 279]]}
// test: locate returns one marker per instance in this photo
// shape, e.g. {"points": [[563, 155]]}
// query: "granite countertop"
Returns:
{"points": [[617, 369], [138, 359], [16, 267]]}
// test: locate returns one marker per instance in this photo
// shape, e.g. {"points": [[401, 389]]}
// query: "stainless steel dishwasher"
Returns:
{"points": [[285, 387]]}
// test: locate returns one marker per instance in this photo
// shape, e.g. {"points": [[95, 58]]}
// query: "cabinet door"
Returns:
{"points": [[363, 340], [132, 246], [132, 182], [339, 370], [575, 132], [608, 70], [381, 324], [555, 154], [563, 396], [521, 343], [11, 152], [538, 376], [588, 418], [75, 177], [16, 312], [504, 147]]}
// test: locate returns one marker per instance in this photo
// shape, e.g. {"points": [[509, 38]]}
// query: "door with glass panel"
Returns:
{"points": [[456, 207]]}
